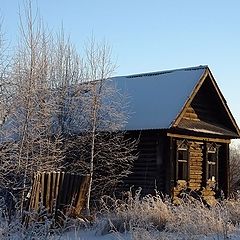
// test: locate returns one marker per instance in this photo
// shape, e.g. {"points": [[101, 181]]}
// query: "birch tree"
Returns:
{"points": [[29, 144], [5, 106], [106, 154], [91, 113], [63, 112]]}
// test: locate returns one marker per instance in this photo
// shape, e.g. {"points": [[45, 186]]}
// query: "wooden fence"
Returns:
{"points": [[59, 193]]}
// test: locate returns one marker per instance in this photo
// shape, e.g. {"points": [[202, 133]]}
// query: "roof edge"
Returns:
{"points": [[144, 74]]}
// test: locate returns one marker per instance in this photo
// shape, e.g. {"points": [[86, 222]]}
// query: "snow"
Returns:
{"points": [[156, 99], [93, 235]]}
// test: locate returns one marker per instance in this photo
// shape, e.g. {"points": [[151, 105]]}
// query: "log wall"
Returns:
{"points": [[195, 165], [190, 114], [148, 172], [156, 166], [195, 169]]}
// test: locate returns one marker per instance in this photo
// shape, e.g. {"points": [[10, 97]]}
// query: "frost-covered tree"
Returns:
{"points": [[92, 122], [111, 154], [63, 112], [234, 168], [28, 144]]}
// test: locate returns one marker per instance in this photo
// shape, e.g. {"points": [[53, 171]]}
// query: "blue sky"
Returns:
{"points": [[151, 35]]}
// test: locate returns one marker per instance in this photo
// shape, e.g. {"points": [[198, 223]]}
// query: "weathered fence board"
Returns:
{"points": [[59, 193]]}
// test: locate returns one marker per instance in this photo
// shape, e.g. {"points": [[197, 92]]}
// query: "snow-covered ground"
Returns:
{"points": [[137, 234], [93, 235]]}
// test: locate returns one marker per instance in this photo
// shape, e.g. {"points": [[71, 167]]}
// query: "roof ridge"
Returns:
{"points": [[166, 71]]}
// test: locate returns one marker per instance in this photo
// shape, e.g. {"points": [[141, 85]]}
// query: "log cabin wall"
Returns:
{"points": [[195, 165], [190, 114], [156, 166], [148, 172], [198, 167]]}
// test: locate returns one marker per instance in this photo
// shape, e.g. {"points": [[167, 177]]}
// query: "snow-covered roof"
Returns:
{"points": [[157, 98]]}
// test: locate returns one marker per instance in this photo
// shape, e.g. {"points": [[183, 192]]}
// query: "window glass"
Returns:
{"points": [[212, 156], [182, 155], [182, 171]]}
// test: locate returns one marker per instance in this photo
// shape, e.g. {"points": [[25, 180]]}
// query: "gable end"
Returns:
{"points": [[206, 110]]}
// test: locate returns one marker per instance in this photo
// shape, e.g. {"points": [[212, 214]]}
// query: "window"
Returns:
{"points": [[212, 162], [182, 160]]}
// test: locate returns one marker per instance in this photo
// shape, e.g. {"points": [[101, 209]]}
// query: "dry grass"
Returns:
{"points": [[147, 218], [155, 217], [147, 213]]}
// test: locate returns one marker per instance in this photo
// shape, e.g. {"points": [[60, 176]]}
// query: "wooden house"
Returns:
{"points": [[184, 128]]}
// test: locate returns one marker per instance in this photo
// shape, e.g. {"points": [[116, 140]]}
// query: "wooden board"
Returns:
{"points": [[59, 193]]}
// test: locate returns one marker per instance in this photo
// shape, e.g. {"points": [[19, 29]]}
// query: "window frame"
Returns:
{"points": [[212, 148], [182, 145]]}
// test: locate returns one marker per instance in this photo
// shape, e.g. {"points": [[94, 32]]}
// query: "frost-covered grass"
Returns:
{"points": [[135, 218], [155, 217]]}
